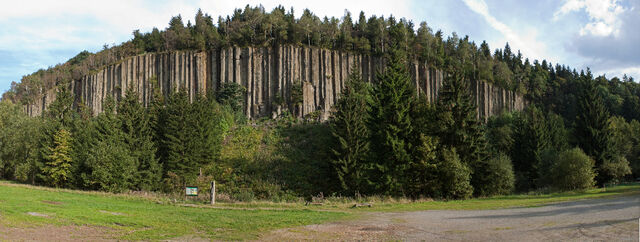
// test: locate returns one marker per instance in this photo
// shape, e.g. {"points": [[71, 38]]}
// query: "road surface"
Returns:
{"points": [[609, 219]]}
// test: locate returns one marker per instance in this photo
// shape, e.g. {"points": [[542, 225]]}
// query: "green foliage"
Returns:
{"points": [[454, 176], [626, 142], [592, 131], [191, 134], [573, 170], [496, 175], [458, 127], [532, 138], [138, 136], [351, 135], [423, 173], [19, 147], [58, 166], [110, 164], [177, 137], [500, 132], [390, 125], [616, 168], [232, 95]]}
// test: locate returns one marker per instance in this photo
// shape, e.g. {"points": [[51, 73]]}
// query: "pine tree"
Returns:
{"points": [[83, 138], [424, 178], [349, 129], [532, 139], [390, 125], [135, 124], [58, 165], [592, 131], [177, 135], [58, 116], [206, 123], [110, 164], [458, 128]]}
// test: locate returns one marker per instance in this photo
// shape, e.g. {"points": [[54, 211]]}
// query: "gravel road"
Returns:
{"points": [[611, 219]]}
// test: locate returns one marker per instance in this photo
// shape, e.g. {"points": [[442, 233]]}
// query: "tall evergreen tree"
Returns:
{"points": [[592, 131], [58, 166], [390, 126], [177, 136], [83, 138], [532, 139], [138, 135], [57, 117], [110, 164], [206, 122], [349, 129], [459, 128]]}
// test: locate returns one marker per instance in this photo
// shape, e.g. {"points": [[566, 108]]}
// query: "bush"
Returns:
{"points": [[616, 168], [454, 176], [573, 170], [497, 176]]}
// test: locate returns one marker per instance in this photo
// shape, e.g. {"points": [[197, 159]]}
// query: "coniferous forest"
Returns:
{"points": [[577, 130]]}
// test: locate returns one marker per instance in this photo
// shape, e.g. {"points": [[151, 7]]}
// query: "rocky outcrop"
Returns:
{"points": [[301, 79]]}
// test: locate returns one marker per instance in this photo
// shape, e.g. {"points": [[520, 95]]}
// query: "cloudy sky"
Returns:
{"points": [[600, 34]]}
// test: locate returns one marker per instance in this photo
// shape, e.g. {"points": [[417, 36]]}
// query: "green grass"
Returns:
{"points": [[144, 218], [141, 218], [509, 201]]}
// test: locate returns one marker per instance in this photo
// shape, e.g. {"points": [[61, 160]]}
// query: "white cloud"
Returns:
{"points": [[619, 72], [526, 41], [604, 15]]}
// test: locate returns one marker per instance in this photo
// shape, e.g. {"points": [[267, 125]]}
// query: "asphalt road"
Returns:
{"points": [[610, 219]]}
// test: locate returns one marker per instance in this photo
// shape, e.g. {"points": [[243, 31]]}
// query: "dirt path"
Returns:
{"points": [[613, 219]]}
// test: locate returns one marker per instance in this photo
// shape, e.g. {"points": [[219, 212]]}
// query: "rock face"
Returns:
{"points": [[304, 80]]}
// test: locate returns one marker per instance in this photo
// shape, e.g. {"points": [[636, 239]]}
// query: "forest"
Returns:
{"points": [[577, 131]]}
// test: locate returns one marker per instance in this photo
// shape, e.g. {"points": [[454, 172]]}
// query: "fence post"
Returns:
{"points": [[213, 192]]}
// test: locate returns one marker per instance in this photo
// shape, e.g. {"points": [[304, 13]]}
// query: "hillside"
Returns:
{"points": [[270, 77], [279, 108]]}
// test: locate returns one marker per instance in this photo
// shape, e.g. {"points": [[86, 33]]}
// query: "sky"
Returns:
{"points": [[600, 34]]}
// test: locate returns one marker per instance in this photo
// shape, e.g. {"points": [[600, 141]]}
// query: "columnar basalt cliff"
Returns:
{"points": [[270, 76]]}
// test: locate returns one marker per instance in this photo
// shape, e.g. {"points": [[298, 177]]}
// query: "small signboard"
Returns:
{"points": [[191, 191]]}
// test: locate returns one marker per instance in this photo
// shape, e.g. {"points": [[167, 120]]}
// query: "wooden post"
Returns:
{"points": [[213, 192]]}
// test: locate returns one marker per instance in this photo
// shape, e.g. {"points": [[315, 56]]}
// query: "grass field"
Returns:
{"points": [[139, 218], [131, 217]]}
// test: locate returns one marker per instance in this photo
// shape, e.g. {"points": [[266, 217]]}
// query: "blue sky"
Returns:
{"points": [[600, 34]]}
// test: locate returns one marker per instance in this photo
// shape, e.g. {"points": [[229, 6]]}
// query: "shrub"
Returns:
{"points": [[616, 168], [496, 175], [454, 176], [573, 170]]}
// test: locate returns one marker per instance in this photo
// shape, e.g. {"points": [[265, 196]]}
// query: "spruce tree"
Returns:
{"points": [[58, 165], [138, 135], [592, 131], [58, 116], [83, 138], [349, 129], [532, 139], [177, 138], [110, 164], [390, 126], [206, 123], [459, 128]]}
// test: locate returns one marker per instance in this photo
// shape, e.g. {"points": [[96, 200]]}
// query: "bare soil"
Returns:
{"points": [[56, 233]]}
